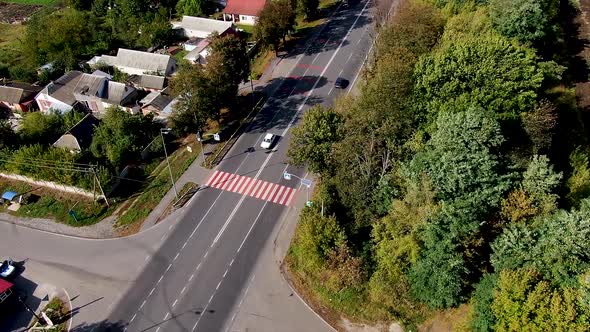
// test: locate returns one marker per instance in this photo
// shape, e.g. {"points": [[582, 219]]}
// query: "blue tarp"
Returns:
{"points": [[9, 195]]}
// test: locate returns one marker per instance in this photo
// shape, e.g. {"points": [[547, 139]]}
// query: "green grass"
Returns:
{"points": [[34, 2], [9, 34], [180, 55], [56, 205], [141, 206], [248, 30]]}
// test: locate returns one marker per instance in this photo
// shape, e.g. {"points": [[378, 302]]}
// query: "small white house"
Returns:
{"points": [[199, 27], [134, 62], [243, 11]]}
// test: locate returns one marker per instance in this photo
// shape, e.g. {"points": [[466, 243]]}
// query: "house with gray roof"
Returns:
{"points": [[18, 96], [147, 82], [199, 27], [134, 62], [158, 104], [79, 137], [88, 92]]}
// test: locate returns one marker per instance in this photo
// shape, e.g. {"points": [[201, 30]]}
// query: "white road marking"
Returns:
{"points": [[159, 280], [183, 289], [168, 268], [152, 291], [218, 284], [177, 254], [132, 318], [146, 258], [175, 301], [184, 245], [191, 278], [167, 315], [142, 304]]}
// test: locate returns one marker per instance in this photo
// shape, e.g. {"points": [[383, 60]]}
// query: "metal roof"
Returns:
{"points": [[148, 62], [205, 25], [5, 285], [9, 195], [244, 7]]}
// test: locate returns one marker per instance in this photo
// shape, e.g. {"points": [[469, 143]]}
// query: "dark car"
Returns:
{"points": [[340, 83]]}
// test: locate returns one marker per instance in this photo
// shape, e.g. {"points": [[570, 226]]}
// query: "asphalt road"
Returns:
{"points": [[204, 264]]}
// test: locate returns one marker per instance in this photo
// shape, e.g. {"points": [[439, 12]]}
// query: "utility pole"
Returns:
{"points": [[99, 186], [162, 132]]}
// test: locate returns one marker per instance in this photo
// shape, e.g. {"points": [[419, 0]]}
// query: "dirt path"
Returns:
{"points": [[16, 13]]}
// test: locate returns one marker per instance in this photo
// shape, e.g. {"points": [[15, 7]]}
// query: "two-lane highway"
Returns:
{"points": [[205, 263]]}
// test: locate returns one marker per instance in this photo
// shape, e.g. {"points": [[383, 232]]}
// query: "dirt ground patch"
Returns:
{"points": [[16, 13]]}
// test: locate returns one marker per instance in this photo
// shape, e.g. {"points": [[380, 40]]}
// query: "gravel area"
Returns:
{"points": [[100, 230]]}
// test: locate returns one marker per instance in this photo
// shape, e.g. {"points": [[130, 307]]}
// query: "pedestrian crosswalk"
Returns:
{"points": [[244, 185]]}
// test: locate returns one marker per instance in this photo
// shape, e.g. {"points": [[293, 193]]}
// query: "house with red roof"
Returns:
{"points": [[243, 11], [5, 289]]}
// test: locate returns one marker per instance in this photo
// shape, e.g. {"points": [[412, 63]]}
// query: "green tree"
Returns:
{"points": [[482, 318], [190, 7], [197, 100], [416, 27], [556, 245], [308, 8], [461, 160], [524, 301], [492, 72], [578, 183], [313, 138], [61, 36], [398, 245], [540, 125], [121, 136], [541, 181], [437, 276], [156, 30], [275, 21], [529, 21], [8, 137], [232, 52], [37, 127]]}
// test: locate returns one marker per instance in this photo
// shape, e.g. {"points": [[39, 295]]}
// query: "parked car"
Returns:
{"points": [[7, 269], [267, 141]]}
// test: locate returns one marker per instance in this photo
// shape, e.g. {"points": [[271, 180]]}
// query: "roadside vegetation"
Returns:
{"points": [[458, 177]]}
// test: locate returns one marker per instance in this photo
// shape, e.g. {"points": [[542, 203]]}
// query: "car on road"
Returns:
{"points": [[340, 83], [7, 269], [267, 141]]}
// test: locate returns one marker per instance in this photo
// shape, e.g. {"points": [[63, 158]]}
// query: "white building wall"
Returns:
{"points": [[46, 102], [248, 20]]}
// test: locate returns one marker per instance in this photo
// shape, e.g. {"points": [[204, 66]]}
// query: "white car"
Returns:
{"points": [[7, 268], [267, 141]]}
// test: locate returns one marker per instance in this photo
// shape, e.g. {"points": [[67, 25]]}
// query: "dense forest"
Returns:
{"points": [[458, 177]]}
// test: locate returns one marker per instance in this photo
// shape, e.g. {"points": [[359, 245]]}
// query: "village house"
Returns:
{"points": [[88, 92], [159, 104], [134, 62], [18, 96], [199, 27], [243, 11], [79, 137]]}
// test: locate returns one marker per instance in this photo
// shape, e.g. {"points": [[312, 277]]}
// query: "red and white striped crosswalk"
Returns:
{"points": [[244, 185]]}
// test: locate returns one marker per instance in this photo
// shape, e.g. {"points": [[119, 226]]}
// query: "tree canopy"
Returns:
{"points": [[493, 73], [275, 21]]}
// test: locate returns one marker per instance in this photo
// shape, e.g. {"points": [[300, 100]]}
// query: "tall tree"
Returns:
{"points": [[540, 125], [308, 8], [529, 21], [230, 52], [313, 139], [121, 136], [190, 7], [524, 301], [197, 100], [275, 21], [493, 73]]}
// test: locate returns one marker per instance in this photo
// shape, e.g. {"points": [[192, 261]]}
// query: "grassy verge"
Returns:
{"points": [[55, 205], [159, 184], [260, 62], [180, 55], [33, 2]]}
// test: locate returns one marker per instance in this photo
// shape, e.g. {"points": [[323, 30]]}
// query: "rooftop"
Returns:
{"points": [[244, 7], [204, 24]]}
